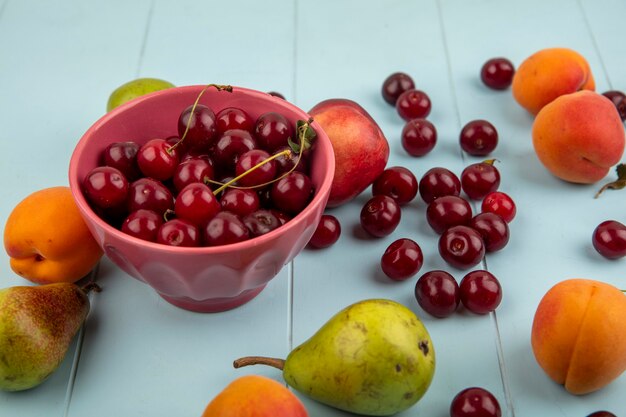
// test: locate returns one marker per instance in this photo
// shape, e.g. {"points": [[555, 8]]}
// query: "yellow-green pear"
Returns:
{"points": [[375, 358], [37, 324], [135, 88]]}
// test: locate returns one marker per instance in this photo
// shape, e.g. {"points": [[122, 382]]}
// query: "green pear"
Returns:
{"points": [[135, 88], [375, 358], [37, 324]]}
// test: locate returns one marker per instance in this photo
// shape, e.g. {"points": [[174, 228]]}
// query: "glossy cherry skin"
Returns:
{"points": [[156, 160], [419, 137], [233, 118], [291, 161], [292, 193], [619, 100], [197, 204], [475, 402], [263, 174], [142, 224], [481, 292], [230, 146], [461, 246], [192, 169], [272, 130], [493, 229], [394, 85], [480, 179], [326, 233], [437, 182], [261, 222], [437, 292], [448, 211], [609, 239], [413, 104], [106, 187], [199, 125], [478, 138], [402, 259], [149, 194], [497, 73], [178, 232], [240, 201], [398, 183], [501, 204], [123, 156], [380, 216], [225, 228]]}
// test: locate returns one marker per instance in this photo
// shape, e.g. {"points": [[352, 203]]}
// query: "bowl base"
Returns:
{"points": [[213, 305]]}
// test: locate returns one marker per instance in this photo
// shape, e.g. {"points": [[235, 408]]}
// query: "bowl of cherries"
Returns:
{"points": [[203, 192]]}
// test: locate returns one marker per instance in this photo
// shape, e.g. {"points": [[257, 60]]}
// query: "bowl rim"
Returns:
{"points": [[86, 210]]}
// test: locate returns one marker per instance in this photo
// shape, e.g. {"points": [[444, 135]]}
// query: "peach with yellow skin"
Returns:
{"points": [[255, 396], [579, 137], [47, 239], [548, 74], [579, 334]]}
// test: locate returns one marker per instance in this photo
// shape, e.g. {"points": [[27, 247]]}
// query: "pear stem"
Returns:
{"points": [[259, 360]]}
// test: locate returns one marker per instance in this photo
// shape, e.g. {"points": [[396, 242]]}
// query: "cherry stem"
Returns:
{"points": [[238, 177], [91, 286], [259, 360], [218, 87]]}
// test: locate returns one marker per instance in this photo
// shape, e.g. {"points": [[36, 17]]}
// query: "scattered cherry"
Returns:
{"points": [[619, 100], [197, 204], [380, 216], [413, 104], [478, 138], [273, 130], [225, 228], [199, 125], [437, 293], [178, 232], [475, 402], [493, 229], [447, 211], [437, 182], [123, 156], [326, 233], [142, 224], [106, 187], [233, 118], [292, 193], [501, 204], [479, 179], [155, 160], [419, 137], [609, 239], [461, 246], [481, 292], [398, 183], [402, 259], [240, 201], [396, 84], [497, 73]]}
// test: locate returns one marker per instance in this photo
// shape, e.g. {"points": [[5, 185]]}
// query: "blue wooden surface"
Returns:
{"points": [[138, 355]]}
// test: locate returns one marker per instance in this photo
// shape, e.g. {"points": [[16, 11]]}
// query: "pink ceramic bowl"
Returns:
{"points": [[206, 279]]}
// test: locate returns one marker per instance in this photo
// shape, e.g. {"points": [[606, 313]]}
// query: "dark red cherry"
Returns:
{"points": [[398, 183], [272, 131], [619, 101], [481, 292], [437, 292], [501, 204], [142, 224], [192, 169], [225, 228], [419, 137], [462, 247], [230, 146], [480, 179], [149, 194], [292, 193], [478, 138], [437, 182], [240, 201], [106, 187], [402, 259], [178, 232], [448, 211], [156, 160], [475, 402], [262, 174], [380, 216], [123, 156], [497, 73], [602, 414], [609, 239], [261, 222], [197, 127], [233, 118], [197, 204], [396, 84], [326, 233], [413, 104], [493, 229]]}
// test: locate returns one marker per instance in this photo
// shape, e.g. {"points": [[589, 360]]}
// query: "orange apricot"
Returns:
{"points": [[255, 396], [579, 334], [548, 74], [47, 239]]}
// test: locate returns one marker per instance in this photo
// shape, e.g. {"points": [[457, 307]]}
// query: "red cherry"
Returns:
{"points": [[437, 292], [462, 247], [402, 259], [497, 73], [396, 84], [475, 402], [479, 179], [225, 228], [178, 232], [260, 175], [233, 118], [142, 224], [398, 183], [602, 414], [619, 101], [199, 125], [192, 169], [123, 156], [413, 104], [273, 130], [261, 222], [419, 137], [240, 201], [380, 216], [438, 182], [292, 193], [326, 233], [106, 187], [478, 138], [501, 204], [609, 239], [149, 194], [197, 204], [481, 292], [493, 229], [156, 160], [448, 211]]}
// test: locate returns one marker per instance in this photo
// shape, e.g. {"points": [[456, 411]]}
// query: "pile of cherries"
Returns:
{"points": [[225, 178]]}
